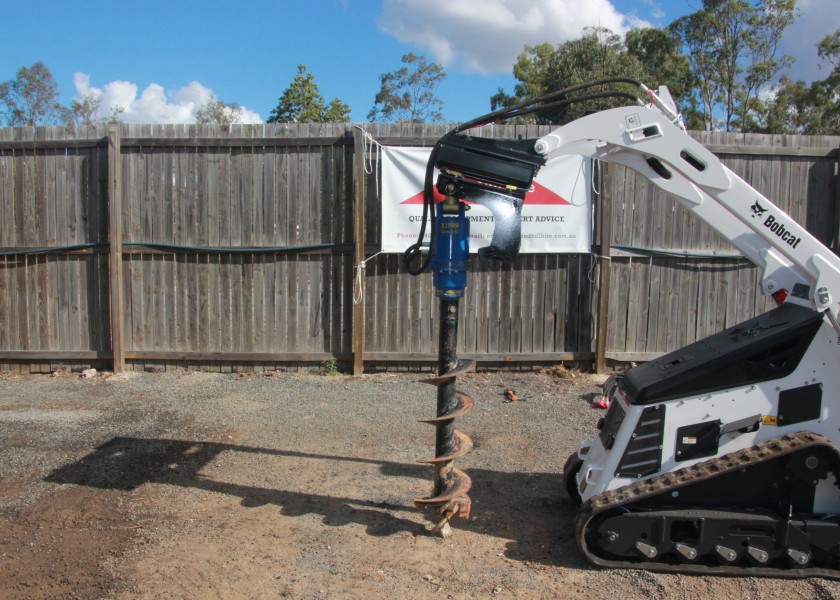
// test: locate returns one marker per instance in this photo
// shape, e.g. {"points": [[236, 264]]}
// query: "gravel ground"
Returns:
{"points": [[200, 485]]}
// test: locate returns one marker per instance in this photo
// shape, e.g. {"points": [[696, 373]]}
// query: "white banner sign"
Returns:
{"points": [[556, 217]]}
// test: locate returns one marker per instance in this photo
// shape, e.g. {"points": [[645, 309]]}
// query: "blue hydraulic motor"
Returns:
{"points": [[451, 249]]}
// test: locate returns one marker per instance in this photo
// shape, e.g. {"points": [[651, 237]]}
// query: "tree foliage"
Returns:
{"points": [[733, 49], [31, 98], [796, 107], [216, 112], [719, 63], [532, 69], [409, 94], [658, 52], [337, 112], [826, 92], [301, 102], [597, 54], [86, 111]]}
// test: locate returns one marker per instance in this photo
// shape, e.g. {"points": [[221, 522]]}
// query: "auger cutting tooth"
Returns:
{"points": [[462, 367], [457, 485], [465, 404], [461, 445]]}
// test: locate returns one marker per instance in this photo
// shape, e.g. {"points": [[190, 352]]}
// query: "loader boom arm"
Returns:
{"points": [[645, 139]]}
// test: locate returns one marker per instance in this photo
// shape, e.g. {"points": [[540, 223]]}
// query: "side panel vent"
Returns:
{"points": [[643, 455]]}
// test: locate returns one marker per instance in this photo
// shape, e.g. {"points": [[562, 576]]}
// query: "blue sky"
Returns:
{"points": [[161, 59]]}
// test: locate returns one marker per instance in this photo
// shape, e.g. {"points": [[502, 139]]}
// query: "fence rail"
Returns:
{"points": [[149, 247]]}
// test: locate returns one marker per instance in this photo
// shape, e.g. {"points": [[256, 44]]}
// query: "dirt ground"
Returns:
{"points": [[199, 485]]}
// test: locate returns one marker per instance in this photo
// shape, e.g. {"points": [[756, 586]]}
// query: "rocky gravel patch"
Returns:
{"points": [[277, 485]]}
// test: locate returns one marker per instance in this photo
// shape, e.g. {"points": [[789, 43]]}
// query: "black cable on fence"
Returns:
{"points": [[176, 249]]}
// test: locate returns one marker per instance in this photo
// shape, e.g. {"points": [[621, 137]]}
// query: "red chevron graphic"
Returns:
{"points": [[540, 195]]}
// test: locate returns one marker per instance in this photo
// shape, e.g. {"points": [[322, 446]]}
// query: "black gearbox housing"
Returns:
{"points": [[509, 164]]}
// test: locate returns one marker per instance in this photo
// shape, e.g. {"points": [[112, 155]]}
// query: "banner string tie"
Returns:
{"points": [[368, 160], [358, 289]]}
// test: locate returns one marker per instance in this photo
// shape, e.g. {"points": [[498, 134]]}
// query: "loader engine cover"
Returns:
{"points": [[766, 347]]}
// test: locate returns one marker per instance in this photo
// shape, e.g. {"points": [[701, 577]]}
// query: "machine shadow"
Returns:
{"points": [[530, 510]]}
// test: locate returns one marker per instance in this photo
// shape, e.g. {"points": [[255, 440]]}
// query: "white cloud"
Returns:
{"points": [[655, 9], [154, 104], [486, 36]]}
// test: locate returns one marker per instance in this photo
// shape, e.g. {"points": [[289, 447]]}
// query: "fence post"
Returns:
{"points": [[115, 278], [359, 251], [605, 227]]}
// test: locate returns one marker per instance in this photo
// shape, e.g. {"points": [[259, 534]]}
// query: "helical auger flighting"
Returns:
{"points": [[449, 497]]}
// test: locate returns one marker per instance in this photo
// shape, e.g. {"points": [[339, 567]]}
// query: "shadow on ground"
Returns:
{"points": [[529, 509]]}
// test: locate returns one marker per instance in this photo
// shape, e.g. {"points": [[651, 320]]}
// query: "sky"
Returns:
{"points": [[161, 60]]}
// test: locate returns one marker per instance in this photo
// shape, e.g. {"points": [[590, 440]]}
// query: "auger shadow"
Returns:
{"points": [[530, 510]]}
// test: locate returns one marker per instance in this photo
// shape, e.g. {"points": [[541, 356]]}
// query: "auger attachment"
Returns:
{"points": [[495, 174], [449, 497]]}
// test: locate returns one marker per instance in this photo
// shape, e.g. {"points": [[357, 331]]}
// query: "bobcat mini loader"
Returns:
{"points": [[720, 457]]}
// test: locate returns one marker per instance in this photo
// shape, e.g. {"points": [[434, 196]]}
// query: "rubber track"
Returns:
{"points": [[667, 482]]}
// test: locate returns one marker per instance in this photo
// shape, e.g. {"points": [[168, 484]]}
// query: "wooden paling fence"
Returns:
{"points": [[157, 247]]}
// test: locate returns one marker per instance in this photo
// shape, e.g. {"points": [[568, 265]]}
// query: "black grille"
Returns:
{"points": [[643, 455]]}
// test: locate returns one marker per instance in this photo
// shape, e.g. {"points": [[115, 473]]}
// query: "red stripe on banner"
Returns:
{"points": [[544, 196], [418, 198], [540, 195]]}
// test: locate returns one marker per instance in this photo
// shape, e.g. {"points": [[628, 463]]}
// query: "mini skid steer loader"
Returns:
{"points": [[720, 457]]}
